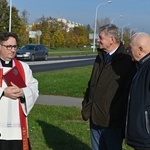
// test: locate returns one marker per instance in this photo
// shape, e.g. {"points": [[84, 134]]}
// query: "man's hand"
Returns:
{"points": [[13, 91]]}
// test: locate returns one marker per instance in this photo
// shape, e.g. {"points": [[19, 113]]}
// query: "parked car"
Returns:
{"points": [[32, 52]]}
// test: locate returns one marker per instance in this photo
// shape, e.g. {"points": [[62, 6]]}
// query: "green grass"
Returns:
{"points": [[69, 82], [60, 52], [61, 128], [64, 49], [56, 127]]}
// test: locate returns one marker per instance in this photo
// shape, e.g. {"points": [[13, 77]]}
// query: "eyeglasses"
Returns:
{"points": [[9, 47]]}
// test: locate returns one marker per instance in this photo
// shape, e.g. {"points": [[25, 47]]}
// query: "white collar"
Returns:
{"points": [[112, 52]]}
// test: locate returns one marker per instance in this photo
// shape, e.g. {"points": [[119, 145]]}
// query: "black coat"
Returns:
{"points": [[106, 96], [138, 115]]}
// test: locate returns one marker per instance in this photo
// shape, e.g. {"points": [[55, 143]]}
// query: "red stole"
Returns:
{"points": [[23, 122]]}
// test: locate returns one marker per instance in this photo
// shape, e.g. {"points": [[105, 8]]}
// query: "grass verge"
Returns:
{"points": [[68, 82], [60, 52]]}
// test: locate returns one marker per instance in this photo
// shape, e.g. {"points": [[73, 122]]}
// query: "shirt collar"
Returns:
{"points": [[112, 52]]}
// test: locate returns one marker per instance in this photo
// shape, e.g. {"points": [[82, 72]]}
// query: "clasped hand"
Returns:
{"points": [[13, 91]]}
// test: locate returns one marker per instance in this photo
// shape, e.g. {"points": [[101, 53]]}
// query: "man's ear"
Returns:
{"points": [[141, 51], [112, 40], [141, 48]]}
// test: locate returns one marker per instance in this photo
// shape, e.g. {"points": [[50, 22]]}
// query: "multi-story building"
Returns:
{"points": [[69, 24]]}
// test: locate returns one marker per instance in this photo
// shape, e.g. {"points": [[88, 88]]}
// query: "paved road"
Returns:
{"points": [[61, 63], [59, 100]]}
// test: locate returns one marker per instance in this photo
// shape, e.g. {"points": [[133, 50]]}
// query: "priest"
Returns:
{"points": [[16, 101]]}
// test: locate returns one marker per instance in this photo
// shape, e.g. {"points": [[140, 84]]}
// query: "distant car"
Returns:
{"points": [[32, 52]]}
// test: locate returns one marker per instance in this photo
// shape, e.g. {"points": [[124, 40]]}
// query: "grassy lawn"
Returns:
{"points": [[60, 52], [61, 128], [68, 82], [58, 128]]}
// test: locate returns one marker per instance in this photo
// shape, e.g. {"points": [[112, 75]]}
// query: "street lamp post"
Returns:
{"points": [[122, 31], [112, 21], [10, 13], [96, 22]]}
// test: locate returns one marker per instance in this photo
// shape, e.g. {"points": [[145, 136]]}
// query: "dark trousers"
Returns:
{"points": [[12, 145], [106, 138]]}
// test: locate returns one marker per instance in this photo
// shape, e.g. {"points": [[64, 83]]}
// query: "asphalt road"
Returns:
{"points": [[61, 63]]}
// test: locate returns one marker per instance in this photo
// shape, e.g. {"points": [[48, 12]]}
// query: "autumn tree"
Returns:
{"points": [[17, 25], [126, 36], [4, 16], [88, 28], [58, 38], [57, 34], [82, 36]]}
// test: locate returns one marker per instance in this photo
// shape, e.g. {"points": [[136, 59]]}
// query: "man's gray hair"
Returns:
{"points": [[111, 29]]}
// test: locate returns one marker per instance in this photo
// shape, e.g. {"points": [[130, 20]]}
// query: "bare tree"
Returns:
{"points": [[24, 16], [102, 22]]}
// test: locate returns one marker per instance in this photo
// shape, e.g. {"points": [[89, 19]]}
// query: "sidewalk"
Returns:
{"points": [[59, 100]]}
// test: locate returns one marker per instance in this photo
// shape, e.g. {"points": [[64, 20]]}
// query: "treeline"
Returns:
{"points": [[54, 33]]}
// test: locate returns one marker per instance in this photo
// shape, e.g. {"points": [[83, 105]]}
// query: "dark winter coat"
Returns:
{"points": [[138, 115], [106, 96]]}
